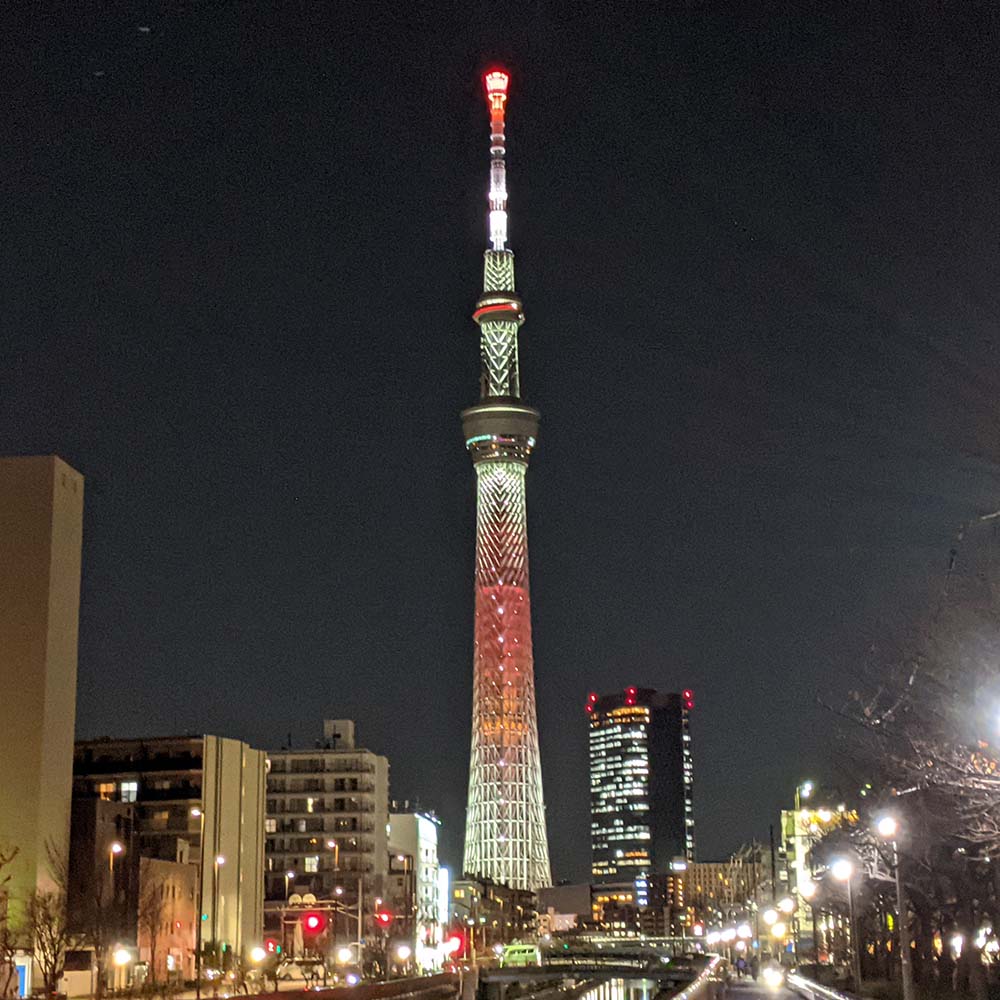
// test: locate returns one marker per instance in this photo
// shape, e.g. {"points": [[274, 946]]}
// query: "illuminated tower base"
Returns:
{"points": [[505, 823]]}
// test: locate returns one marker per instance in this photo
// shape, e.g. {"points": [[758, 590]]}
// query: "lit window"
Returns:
{"points": [[106, 790], [312, 863], [270, 826], [129, 791]]}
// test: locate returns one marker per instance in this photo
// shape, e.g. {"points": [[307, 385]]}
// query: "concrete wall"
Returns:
{"points": [[233, 803], [41, 532]]}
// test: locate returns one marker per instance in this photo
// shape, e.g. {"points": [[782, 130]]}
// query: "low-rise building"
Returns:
{"points": [[167, 917], [414, 874], [492, 914], [195, 800]]}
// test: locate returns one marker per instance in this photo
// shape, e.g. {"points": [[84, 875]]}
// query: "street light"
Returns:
{"points": [[198, 813], [335, 847], [403, 952], [257, 955], [219, 861], [769, 916], [786, 905], [843, 871], [289, 875], [887, 827]]}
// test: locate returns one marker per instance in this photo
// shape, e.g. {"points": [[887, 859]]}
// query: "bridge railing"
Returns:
{"points": [[815, 991], [709, 984]]}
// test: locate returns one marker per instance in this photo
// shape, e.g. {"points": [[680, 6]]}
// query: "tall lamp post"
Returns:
{"points": [[219, 861], [843, 871], [199, 815], [887, 828]]}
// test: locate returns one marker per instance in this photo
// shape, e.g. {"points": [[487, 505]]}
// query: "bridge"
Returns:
{"points": [[578, 968]]}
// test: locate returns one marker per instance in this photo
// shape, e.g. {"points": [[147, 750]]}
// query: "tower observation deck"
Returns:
{"points": [[505, 821]]}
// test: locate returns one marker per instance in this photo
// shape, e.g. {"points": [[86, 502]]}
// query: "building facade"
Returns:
{"points": [[505, 836], [415, 873], [641, 783], [490, 914], [41, 533], [166, 919], [197, 800], [327, 819]]}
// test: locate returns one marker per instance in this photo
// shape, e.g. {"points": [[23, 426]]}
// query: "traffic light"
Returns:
{"points": [[454, 943], [383, 918], [313, 922], [272, 947]]}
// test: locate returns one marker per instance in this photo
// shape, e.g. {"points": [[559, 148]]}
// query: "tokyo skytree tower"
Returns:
{"points": [[505, 822]]}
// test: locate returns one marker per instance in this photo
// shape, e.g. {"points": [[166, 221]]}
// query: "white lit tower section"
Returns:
{"points": [[505, 822]]}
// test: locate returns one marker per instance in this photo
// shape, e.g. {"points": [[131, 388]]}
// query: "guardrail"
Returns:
{"points": [[815, 991], [708, 984]]}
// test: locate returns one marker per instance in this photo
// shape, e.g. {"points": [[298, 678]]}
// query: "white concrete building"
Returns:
{"points": [[413, 844]]}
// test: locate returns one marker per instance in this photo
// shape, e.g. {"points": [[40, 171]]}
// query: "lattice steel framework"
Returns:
{"points": [[505, 824]]}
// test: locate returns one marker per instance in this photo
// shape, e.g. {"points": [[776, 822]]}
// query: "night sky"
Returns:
{"points": [[241, 247]]}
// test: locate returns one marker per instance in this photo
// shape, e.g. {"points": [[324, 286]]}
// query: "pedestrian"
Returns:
{"points": [[754, 967]]}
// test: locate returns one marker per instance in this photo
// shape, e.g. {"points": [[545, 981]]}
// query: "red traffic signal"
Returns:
{"points": [[313, 922], [454, 943], [383, 918], [271, 946]]}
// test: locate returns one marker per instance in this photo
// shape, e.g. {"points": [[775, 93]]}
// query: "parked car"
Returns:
{"points": [[305, 969]]}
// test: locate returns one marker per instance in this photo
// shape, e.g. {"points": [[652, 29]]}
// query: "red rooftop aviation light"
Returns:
{"points": [[688, 696]]}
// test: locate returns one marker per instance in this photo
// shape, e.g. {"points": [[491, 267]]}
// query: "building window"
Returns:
{"points": [[312, 863], [270, 826], [106, 790], [129, 791]]}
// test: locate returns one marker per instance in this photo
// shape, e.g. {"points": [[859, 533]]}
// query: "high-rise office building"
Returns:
{"points": [[41, 531], [642, 815], [505, 836]]}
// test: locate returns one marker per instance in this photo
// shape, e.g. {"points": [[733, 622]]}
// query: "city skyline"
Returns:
{"points": [[762, 311]]}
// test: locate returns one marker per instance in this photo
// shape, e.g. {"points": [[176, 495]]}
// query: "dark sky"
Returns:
{"points": [[759, 261]]}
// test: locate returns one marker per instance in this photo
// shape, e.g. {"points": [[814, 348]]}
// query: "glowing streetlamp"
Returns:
{"points": [[786, 905], [779, 929], [344, 955], [843, 871], [887, 828], [289, 875], [403, 952], [769, 917], [121, 957], [257, 955]]}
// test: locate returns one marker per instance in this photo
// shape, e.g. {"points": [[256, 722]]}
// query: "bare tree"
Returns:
{"points": [[152, 908], [10, 939], [46, 913]]}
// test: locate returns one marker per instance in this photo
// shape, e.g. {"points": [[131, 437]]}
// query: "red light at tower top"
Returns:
{"points": [[496, 81], [688, 696]]}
